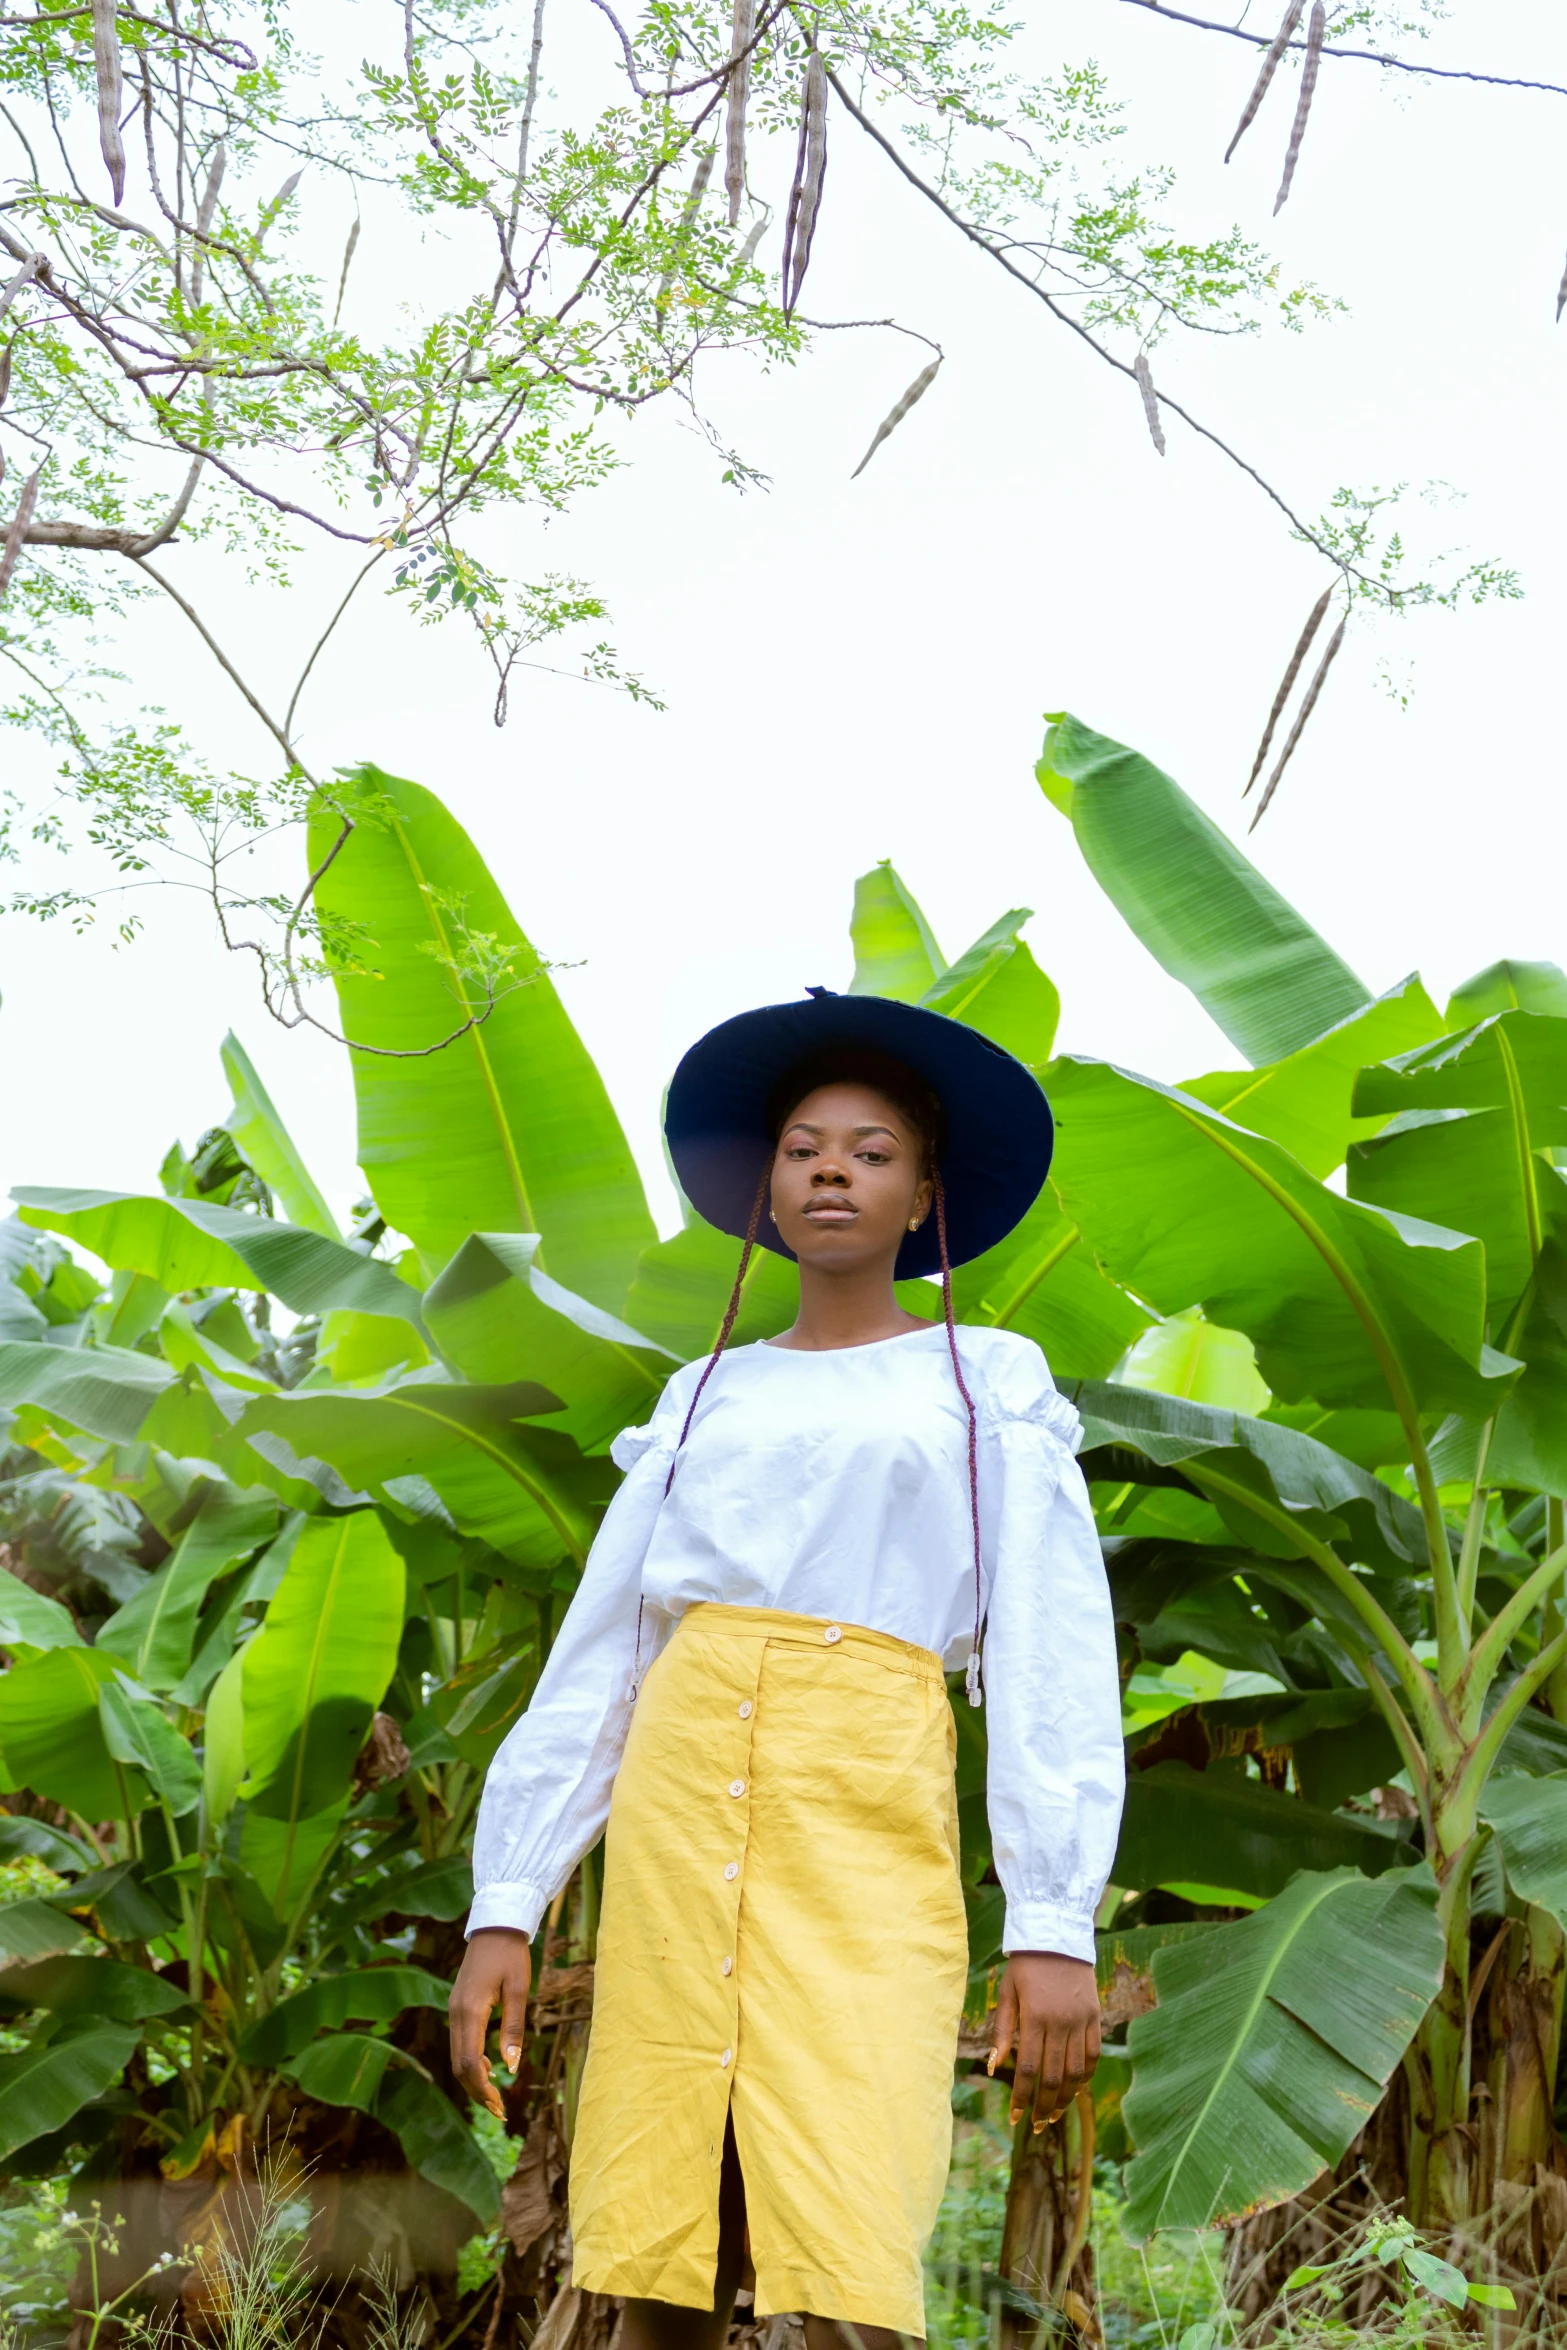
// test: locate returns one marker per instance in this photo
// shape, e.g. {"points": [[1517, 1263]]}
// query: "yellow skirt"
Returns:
{"points": [[782, 1939]]}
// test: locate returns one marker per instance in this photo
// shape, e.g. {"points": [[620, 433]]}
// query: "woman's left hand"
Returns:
{"points": [[1049, 2008]]}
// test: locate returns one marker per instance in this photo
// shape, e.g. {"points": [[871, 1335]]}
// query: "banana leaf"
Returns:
{"points": [[47, 2083], [268, 1146], [895, 951], [155, 1631], [1529, 1817], [509, 1127], [1218, 1827], [1272, 2042], [1254, 964], [365, 1995]]}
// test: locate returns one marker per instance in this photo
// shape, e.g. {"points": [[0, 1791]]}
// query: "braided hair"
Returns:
{"points": [[920, 1107]]}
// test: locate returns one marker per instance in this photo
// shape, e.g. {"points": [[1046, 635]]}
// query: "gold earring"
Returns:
{"points": [[772, 1215], [915, 1222]]}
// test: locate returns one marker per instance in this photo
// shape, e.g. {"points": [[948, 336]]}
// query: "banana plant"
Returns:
{"points": [[1389, 1521]]}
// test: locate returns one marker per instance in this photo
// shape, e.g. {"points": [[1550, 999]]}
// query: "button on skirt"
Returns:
{"points": [[782, 1940]]}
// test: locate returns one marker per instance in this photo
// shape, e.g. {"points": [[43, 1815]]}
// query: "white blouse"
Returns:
{"points": [[835, 1484]]}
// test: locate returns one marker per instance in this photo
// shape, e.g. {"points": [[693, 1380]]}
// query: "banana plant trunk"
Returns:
{"points": [[1046, 2236]]}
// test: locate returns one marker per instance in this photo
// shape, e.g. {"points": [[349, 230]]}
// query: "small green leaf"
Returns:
{"points": [[1449, 2284], [1492, 2296]]}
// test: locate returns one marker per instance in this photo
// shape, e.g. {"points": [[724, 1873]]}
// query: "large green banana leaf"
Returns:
{"points": [[36, 1929], [1217, 1827], [315, 1673], [1043, 1282], [351, 2068], [682, 1288], [526, 1491], [1529, 1817], [1233, 1458], [895, 951], [46, 2083], [1304, 1100], [195, 1244], [1272, 2042], [268, 1145], [1508, 987], [1344, 1303], [1252, 962], [140, 1735], [1477, 1118], [51, 1737], [509, 1128], [106, 1390], [365, 1995], [1188, 1355], [998, 988], [155, 1631], [500, 1320], [31, 1619], [87, 1985]]}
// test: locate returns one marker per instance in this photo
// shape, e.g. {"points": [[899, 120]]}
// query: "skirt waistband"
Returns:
{"points": [[816, 1632]]}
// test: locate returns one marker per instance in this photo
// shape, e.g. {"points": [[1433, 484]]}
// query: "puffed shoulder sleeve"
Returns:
{"points": [[1057, 1770], [546, 1796]]}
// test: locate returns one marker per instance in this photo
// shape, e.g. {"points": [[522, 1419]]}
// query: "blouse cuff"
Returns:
{"points": [[1045, 1926], [518, 1905]]}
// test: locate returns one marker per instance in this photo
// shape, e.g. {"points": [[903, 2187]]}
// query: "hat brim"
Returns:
{"points": [[1000, 1133]]}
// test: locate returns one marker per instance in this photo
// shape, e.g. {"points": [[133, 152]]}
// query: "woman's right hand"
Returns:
{"points": [[495, 1972]]}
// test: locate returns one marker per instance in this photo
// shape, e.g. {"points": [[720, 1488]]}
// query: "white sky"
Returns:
{"points": [[856, 671]]}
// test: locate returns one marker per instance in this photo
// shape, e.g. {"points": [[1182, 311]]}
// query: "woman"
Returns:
{"points": [[749, 1686]]}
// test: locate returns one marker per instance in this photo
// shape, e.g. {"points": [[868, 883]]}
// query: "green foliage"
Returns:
{"points": [[273, 1601]]}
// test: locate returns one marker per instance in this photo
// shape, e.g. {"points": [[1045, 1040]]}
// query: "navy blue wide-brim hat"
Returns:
{"points": [[999, 1138]]}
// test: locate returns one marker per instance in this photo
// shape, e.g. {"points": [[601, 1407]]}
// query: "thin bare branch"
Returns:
{"points": [[1065, 318], [1440, 73], [225, 664]]}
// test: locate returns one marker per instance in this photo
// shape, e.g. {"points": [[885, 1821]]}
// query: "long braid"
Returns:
{"points": [[971, 1677], [731, 1313]]}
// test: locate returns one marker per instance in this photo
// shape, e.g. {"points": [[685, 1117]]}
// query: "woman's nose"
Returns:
{"points": [[828, 1173]]}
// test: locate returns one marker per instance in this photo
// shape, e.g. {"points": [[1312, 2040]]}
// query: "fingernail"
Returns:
{"points": [[991, 2062], [513, 2056], [1041, 2127]]}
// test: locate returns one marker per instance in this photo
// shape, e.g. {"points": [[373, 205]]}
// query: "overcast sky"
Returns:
{"points": [[857, 670]]}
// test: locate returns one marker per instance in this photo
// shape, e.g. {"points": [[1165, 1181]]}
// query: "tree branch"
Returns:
{"points": [[1441, 73]]}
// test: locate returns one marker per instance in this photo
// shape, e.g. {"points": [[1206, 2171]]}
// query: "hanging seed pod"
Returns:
{"points": [[1313, 623], [1144, 375], [24, 277], [5, 375], [1561, 298], [894, 417], [1301, 716], [111, 92], [278, 202], [747, 252], [689, 211], [809, 172], [17, 528], [1315, 35], [342, 283], [734, 119], [1270, 66], [209, 194]]}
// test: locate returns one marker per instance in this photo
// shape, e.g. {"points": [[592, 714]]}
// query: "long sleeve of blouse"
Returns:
{"points": [[835, 1485], [546, 1797]]}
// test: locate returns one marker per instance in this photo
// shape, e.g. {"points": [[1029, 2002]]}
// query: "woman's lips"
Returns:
{"points": [[831, 1212]]}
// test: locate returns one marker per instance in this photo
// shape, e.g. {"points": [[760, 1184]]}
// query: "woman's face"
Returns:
{"points": [[848, 1178]]}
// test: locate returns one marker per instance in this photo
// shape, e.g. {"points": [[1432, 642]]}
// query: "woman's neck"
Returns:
{"points": [[846, 1309]]}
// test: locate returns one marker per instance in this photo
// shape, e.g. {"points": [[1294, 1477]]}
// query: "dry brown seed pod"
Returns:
{"points": [[894, 416], [5, 375], [747, 252], [809, 172], [688, 213], [1561, 297], [17, 528], [1301, 716], [111, 92], [1313, 623], [1144, 375], [734, 120], [1270, 66], [348, 255], [1316, 33]]}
